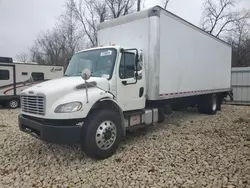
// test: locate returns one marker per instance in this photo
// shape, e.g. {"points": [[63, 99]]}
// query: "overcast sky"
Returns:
{"points": [[22, 20]]}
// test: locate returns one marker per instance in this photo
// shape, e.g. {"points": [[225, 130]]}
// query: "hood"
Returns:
{"points": [[64, 85]]}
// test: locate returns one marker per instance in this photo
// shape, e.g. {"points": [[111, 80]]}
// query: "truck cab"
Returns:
{"points": [[89, 104], [122, 70]]}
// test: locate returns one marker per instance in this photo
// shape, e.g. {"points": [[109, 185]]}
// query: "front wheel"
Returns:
{"points": [[101, 134]]}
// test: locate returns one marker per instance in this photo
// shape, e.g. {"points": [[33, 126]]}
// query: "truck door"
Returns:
{"points": [[130, 91]]}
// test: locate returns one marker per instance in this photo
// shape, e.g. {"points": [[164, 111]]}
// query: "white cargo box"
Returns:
{"points": [[181, 59]]}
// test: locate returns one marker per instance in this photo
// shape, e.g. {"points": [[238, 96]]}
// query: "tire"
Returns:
{"points": [[13, 103], [101, 124], [208, 104], [161, 115], [219, 103], [201, 109]]}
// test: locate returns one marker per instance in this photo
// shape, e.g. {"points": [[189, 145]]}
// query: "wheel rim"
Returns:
{"points": [[214, 106], [106, 135], [13, 104]]}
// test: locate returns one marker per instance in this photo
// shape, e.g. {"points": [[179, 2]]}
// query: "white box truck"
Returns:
{"points": [[145, 64], [16, 77]]}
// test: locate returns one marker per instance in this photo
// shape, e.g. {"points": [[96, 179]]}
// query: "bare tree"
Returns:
{"points": [[90, 13], [70, 31], [56, 46], [120, 7], [218, 17], [22, 57], [240, 40], [76, 25], [36, 54], [50, 48], [165, 4], [138, 5]]}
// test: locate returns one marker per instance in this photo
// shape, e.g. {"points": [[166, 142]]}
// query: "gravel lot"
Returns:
{"points": [[188, 150]]}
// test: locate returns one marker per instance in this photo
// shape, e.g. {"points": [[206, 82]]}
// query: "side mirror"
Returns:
{"points": [[86, 74]]}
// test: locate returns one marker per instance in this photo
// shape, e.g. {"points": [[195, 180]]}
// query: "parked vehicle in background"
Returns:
{"points": [[158, 62], [15, 77]]}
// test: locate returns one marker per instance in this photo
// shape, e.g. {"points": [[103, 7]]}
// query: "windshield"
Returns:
{"points": [[100, 62]]}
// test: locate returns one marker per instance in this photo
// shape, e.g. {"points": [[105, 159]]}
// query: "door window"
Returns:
{"points": [[127, 65], [37, 76], [4, 75]]}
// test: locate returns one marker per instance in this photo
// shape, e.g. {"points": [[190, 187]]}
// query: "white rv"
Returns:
{"points": [[15, 77], [159, 61]]}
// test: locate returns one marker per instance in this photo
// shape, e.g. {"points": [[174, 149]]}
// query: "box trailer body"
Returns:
{"points": [[146, 64], [181, 59], [16, 77]]}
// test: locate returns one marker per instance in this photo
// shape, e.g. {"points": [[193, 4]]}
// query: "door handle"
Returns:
{"points": [[141, 92], [125, 82]]}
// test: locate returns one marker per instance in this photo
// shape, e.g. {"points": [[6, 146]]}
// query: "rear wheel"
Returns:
{"points": [[208, 104], [101, 134], [161, 115], [219, 102]]}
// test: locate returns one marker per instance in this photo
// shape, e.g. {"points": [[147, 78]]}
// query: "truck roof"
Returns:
{"points": [[153, 11]]}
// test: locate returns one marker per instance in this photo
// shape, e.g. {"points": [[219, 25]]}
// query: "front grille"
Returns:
{"points": [[33, 104]]}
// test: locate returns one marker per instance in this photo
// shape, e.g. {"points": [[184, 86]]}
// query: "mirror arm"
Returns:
{"points": [[86, 88], [85, 76]]}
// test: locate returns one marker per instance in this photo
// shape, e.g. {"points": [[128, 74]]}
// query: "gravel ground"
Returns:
{"points": [[188, 150]]}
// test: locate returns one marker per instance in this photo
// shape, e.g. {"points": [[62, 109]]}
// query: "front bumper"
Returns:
{"points": [[59, 134]]}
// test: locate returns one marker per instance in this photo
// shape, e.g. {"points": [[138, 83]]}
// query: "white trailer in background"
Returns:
{"points": [[147, 63], [15, 77]]}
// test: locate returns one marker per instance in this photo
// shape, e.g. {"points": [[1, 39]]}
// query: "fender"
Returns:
{"points": [[117, 107]]}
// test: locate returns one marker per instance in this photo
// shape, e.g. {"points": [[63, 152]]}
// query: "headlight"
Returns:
{"points": [[69, 107]]}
